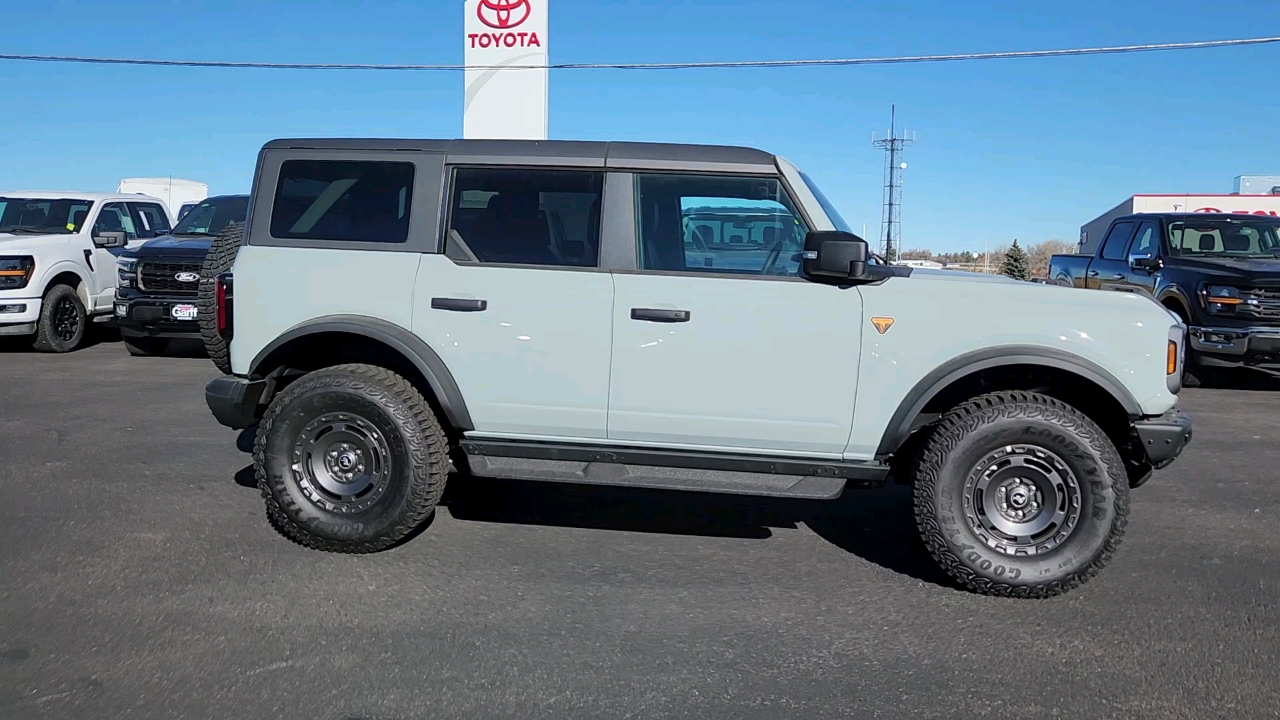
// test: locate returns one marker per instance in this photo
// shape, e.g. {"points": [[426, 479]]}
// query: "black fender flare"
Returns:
{"points": [[412, 347], [1173, 291], [904, 418]]}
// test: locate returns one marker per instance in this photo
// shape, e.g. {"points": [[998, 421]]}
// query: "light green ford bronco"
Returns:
{"points": [[688, 317]]}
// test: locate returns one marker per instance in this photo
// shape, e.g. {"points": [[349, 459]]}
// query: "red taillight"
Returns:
{"points": [[223, 286]]}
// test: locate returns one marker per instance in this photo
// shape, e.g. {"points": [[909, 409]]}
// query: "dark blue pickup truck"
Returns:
{"points": [[1219, 273]]}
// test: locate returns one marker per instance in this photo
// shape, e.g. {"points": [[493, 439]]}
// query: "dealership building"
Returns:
{"points": [[1252, 194]]}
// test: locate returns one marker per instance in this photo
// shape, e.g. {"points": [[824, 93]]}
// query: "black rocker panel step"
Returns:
{"points": [[647, 476]]}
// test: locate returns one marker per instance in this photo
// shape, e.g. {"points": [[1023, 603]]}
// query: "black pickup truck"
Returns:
{"points": [[1219, 273], [157, 285]]}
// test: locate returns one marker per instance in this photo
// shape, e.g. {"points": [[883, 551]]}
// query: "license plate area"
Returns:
{"points": [[183, 312]]}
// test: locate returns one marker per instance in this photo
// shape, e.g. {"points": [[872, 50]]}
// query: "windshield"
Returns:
{"points": [[44, 216], [1250, 237], [832, 214], [212, 215]]}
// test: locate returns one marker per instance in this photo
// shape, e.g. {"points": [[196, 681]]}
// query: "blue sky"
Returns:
{"points": [[1026, 148]]}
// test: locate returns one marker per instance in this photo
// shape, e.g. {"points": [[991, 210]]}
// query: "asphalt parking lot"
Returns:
{"points": [[139, 578]]}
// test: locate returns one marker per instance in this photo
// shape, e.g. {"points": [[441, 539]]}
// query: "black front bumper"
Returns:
{"points": [[234, 400], [1164, 437], [1236, 346], [151, 316]]}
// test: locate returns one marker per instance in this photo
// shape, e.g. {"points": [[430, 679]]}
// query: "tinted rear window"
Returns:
{"points": [[343, 201]]}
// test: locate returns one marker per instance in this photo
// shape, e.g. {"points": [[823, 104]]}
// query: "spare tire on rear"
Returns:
{"points": [[219, 259]]}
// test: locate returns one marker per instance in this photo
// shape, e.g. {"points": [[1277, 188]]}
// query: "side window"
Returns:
{"points": [[705, 224], [1148, 240], [115, 217], [152, 218], [1117, 241], [525, 217], [353, 201]]}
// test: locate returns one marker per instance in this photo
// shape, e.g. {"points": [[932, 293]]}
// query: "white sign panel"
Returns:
{"points": [[506, 91]]}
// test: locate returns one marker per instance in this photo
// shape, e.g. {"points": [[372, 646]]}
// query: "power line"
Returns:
{"points": [[1011, 55]]}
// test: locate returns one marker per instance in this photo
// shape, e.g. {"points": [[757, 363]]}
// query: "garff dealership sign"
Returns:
{"points": [[505, 51]]}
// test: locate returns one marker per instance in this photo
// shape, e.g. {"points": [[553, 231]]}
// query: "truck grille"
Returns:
{"points": [[161, 277], [1264, 302]]}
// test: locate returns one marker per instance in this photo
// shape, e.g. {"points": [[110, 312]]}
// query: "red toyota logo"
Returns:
{"points": [[503, 14]]}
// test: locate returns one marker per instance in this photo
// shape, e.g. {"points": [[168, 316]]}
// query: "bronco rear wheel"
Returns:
{"points": [[350, 459], [1018, 494]]}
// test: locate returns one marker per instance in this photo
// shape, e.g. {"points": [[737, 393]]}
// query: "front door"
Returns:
{"points": [[517, 307], [718, 344], [114, 217], [1146, 243]]}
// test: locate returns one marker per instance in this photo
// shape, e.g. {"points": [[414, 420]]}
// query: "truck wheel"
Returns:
{"points": [[219, 259], [350, 459], [62, 322], [145, 346], [1020, 495]]}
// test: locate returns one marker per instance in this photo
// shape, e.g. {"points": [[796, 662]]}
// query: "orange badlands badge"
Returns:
{"points": [[882, 324]]}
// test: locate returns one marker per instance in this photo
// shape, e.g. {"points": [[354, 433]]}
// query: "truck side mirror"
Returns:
{"points": [[1145, 262], [108, 239]]}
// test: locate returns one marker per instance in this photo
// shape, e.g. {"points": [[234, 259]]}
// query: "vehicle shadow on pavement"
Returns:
{"points": [[876, 525], [1243, 380]]}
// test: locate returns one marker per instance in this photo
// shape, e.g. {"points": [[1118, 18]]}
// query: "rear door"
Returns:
{"points": [[718, 344], [1110, 269], [517, 306]]}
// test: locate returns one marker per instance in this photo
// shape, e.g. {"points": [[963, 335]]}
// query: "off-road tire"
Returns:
{"points": [[965, 438], [60, 298], [144, 346], [417, 455], [219, 259]]}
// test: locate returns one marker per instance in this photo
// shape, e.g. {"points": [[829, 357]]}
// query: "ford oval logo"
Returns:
{"points": [[186, 277]]}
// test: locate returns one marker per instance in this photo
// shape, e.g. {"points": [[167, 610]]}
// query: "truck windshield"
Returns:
{"points": [[1251, 237], [211, 216], [31, 216], [832, 214]]}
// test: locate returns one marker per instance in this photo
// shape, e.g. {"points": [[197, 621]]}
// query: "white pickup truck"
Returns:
{"points": [[58, 255]]}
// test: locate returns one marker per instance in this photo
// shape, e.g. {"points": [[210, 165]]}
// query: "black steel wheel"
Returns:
{"points": [[350, 459], [1020, 495], [1022, 500], [63, 321]]}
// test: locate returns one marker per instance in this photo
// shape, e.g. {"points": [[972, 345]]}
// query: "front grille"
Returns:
{"points": [[160, 277], [1261, 302]]}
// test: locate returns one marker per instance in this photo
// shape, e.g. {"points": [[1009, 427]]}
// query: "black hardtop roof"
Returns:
{"points": [[557, 152]]}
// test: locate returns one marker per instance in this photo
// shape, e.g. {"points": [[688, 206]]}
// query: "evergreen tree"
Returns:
{"points": [[1016, 263]]}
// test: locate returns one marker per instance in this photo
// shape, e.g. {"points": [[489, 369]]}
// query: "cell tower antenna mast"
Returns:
{"points": [[894, 146]]}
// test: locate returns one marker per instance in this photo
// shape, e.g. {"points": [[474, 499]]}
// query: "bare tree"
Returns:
{"points": [[917, 254], [1040, 252]]}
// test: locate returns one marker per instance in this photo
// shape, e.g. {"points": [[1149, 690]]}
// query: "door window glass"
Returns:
{"points": [[734, 225], [1147, 241], [525, 217], [1117, 240], [115, 217], [364, 201], [153, 219]]}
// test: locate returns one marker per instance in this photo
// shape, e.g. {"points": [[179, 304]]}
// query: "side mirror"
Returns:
{"points": [[1146, 262], [110, 239], [835, 256]]}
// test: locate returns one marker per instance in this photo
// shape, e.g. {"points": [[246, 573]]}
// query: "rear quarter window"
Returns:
{"points": [[346, 201]]}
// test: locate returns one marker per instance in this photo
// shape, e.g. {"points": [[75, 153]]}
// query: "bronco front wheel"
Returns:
{"points": [[1018, 494]]}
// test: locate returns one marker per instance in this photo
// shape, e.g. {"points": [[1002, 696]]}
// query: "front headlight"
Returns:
{"points": [[1221, 298], [15, 271], [126, 272]]}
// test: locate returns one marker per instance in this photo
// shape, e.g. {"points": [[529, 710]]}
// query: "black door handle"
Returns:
{"points": [[459, 304], [1093, 273], [1117, 276], [660, 315]]}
